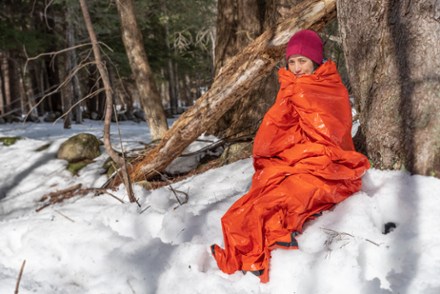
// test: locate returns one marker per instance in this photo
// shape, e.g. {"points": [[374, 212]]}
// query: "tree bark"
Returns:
{"points": [[150, 98], [2, 98], [4, 66], [239, 23], [66, 91], [16, 89], [391, 50], [277, 10], [234, 81], [109, 103], [26, 92], [74, 85], [53, 81], [170, 66]]}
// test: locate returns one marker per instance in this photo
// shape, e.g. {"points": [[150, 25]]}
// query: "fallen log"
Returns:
{"points": [[233, 82]]}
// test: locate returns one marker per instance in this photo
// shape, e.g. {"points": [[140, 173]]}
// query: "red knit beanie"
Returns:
{"points": [[306, 43]]}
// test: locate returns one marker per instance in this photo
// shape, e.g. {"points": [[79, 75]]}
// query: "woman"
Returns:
{"points": [[304, 161]]}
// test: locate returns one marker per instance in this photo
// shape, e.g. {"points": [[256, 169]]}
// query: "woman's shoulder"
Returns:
{"points": [[327, 65]]}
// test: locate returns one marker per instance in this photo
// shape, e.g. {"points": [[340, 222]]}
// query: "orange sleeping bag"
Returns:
{"points": [[304, 163]]}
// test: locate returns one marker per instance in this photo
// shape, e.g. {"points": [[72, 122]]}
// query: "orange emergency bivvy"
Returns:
{"points": [[304, 163]]}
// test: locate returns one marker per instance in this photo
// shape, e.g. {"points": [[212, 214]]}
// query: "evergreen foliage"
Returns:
{"points": [[181, 31]]}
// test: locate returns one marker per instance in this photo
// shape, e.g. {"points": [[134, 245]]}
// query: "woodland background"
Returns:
{"points": [[161, 56], [45, 44], [210, 66]]}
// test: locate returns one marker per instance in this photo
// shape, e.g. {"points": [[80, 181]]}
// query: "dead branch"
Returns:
{"points": [[234, 82], [340, 235], [70, 192], [20, 274], [57, 88], [52, 53], [109, 102], [225, 141], [143, 210], [58, 196], [96, 92], [175, 192], [63, 215], [111, 195]]}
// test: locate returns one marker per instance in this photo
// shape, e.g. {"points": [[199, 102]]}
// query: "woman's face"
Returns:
{"points": [[300, 65]]}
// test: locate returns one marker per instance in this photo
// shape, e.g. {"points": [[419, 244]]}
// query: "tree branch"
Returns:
{"points": [[109, 102], [17, 285], [234, 82]]}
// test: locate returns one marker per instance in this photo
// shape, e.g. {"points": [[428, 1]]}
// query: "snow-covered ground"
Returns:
{"points": [[95, 244]]}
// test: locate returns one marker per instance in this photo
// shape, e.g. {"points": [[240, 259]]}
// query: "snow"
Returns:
{"points": [[95, 244]]}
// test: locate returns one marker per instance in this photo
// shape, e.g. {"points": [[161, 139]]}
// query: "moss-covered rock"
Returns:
{"points": [[79, 147], [75, 167], [236, 152], [43, 147], [8, 141], [109, 167]]}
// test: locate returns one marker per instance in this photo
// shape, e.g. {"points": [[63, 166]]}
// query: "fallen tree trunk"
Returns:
{"points": [[233, 82]]}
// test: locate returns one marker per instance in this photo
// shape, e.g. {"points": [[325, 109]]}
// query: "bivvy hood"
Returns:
{"points": [[304, 163]]}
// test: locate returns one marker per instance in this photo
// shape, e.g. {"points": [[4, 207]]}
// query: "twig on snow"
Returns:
{"points": [[340, 235], [174, 190], [75, 190], [63, 215], [17, 285]]}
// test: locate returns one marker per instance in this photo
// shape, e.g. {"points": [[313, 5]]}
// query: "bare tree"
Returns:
{"points": [[150, 98], [392, 54], [109, 102]]}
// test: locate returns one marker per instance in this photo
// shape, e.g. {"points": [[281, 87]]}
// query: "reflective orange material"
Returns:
{"points": [[304, 163]]}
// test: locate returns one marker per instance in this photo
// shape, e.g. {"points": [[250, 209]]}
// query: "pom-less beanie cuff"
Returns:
{"points": [[306, 43]]}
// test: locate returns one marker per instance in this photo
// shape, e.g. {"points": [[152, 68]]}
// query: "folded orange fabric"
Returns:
{"points": [[304, 163]]}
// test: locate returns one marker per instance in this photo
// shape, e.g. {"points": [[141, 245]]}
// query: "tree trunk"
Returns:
{"points": [[116, 87], [74, 85], [6, 82], [77, 95], [6, 95], [109, 104], [24, 90], [42, 86], [239, 23], [236, 79], [29, 108], [66, 91], [392, 54], [137, 57], [164, 87], [53, 80], [15, 86], [172, 87], [171, 72], [188, 99], [2, 96], [95, 104]]}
